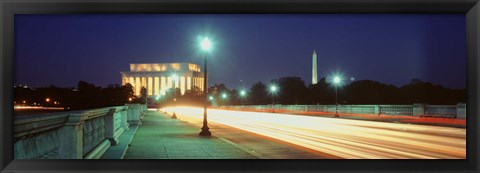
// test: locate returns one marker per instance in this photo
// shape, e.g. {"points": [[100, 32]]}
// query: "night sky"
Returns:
{"points": [[63, 49]]}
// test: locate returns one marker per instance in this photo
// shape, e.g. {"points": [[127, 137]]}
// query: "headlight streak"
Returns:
{"points": [[351, 139]]}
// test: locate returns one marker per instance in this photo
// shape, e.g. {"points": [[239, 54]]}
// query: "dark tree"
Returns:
{"points": [[258, 94], [88, 96], [217, 91], [292, 91], [321, 93], [127, 92], [143, 95], [369, 92], [418, 91]]}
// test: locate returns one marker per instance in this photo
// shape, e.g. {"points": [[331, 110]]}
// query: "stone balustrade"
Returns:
{"points": [[84, 134], [448, 111]]}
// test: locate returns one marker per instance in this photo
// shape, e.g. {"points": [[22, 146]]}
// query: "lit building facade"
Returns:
{"points": [[158, 78]]}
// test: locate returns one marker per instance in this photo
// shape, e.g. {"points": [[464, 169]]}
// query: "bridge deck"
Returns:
{"points": [[161, 137]]}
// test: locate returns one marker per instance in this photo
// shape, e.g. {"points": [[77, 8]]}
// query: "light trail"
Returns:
{"points": [[350, 139], [38, 107]]}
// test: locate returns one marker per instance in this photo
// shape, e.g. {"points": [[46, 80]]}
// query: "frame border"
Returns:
{"points": [[471, 9]]}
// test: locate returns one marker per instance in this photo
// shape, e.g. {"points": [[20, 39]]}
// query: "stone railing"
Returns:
{"points": [[447, 111], [84, 134]]}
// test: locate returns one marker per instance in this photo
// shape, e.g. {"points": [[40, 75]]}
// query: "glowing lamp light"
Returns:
{"points": [[206, 44], [243, 93], [224, 95], [47, 99], [336, 80], [273, 88], [210, 98], [130, 99]]}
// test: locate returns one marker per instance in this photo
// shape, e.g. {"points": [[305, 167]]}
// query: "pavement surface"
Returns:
{"points": [[339, 137], [434, 121], [161, 137], [118, 151]]}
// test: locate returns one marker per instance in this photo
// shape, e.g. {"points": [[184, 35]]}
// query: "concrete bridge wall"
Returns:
{"points": [[448, 111], [84, 134]]}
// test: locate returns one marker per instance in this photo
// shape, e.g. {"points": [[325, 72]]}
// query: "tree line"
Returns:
{"points": [[291, 91], [85, 96]]}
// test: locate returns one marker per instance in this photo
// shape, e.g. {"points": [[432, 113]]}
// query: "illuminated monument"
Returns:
{"points": [[158, 78], [314, 68]]}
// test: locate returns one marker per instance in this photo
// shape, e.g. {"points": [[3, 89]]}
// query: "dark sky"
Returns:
{"points": [[393, 49]]}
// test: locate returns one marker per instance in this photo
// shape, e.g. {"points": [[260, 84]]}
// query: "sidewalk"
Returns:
{"points": [[160, 137]]}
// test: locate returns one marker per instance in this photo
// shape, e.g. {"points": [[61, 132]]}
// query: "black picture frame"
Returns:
{"points": [[471, 8]]}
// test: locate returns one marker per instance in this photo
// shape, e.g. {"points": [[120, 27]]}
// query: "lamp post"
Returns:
{"points": [[243, 93], [224, 97], [273, 90], [336, 81], [175, 77], [206, 45]]}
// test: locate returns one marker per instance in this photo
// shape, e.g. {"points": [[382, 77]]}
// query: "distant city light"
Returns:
{"points": [[206, 44], [210, 98], [24, 101], [224, 95], [47, 99], [130, 99]]}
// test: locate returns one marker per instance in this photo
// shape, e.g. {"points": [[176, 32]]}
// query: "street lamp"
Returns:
{"points": [[273, 90], [243, 93], [337, 80], [206, 46], [224, 97], [175, 78]]}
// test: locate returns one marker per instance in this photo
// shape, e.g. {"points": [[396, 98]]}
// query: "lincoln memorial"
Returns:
{"points": [[158, 78]]}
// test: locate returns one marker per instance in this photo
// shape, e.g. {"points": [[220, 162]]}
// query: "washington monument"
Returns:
{"points": [[314, 68]]}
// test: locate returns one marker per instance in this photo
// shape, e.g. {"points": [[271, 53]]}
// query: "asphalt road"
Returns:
{"points": [[343, 138]]}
